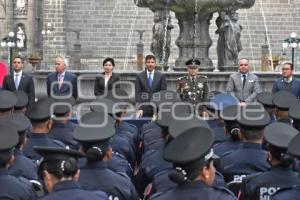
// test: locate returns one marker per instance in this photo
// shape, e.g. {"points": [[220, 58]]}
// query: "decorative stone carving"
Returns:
{"points": [[20, 7]]}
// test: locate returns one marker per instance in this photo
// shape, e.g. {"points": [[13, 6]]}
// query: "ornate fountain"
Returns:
{"points": [[194, 41]]}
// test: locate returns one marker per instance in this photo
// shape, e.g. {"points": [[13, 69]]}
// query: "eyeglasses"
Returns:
{"points": [[284, 69]]}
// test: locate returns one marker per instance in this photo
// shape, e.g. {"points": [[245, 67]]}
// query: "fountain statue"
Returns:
{"points": [[194, 40]]}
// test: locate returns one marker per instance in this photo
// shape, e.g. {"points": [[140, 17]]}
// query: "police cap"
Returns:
{"points": [[294, 111], [8, 138], [7, 100], [20, 122], [193, 62], [294, 146], [265, 98], [253, 116], [222, 100], [283, 100], [279, 134], [55, 153], [230, 113], [22, 99], [61, 107], [40, 111], [192, 145]]}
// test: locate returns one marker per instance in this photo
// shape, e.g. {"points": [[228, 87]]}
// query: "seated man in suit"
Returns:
{"points": [[287, 81], [148, 82], [61, 82], [19, 80], [243, 84]]}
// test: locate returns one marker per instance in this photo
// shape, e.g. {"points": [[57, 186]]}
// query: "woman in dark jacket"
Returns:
{"points": [[107, 80]]}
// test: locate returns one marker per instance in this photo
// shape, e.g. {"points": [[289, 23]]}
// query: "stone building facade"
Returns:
{"points": [[90, 30]]}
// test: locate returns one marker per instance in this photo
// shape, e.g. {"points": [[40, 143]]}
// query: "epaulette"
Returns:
{"points": [[181, 78], [287, 188], [202, 76]]}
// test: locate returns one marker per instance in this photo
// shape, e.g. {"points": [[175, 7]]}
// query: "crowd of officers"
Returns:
{"points": [[237, 150]]}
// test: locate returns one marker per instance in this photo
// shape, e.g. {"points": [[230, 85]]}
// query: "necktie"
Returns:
{"points": [[17, 81], [244, 80], [150, 80], [193, 81], [60, 80]]}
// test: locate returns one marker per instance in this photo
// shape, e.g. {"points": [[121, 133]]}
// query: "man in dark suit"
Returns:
{"points": [[61, 82], [287, 82], [148, 82], [20, 81]]}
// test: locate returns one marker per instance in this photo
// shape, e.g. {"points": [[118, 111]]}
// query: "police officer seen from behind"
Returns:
{"points": [[281, 174], [11, 187], [287, 82], [193, 88], [251, 158], [294, 113], [7, 102], [291, 192], [96, 145], [60, 173], [194, 172]]}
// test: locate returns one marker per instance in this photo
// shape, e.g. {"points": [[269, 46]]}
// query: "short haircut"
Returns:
{"points": [[21, 58], [109, 60], [244, 59], [290, 64], [66, 62], [252, 134], [149, 57]]}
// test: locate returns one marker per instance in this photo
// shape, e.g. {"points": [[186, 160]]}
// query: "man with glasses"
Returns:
{"points": [[19, 80], [243, 84], [287, 81]]}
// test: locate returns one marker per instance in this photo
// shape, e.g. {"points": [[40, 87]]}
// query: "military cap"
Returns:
{"points": [[294, 146], [230, 113], [185, 122], [22, 99], [294, 111], [94, 127], [192, 145], [40, 111], [169, 112], [20, 122], [222, 100], [193, 62], [8, 138], [7, 100], [56, 153], [265, 98], [105, 105], [283, 100], [165, 96], [279, 134], [253, 116], [61, 107]]}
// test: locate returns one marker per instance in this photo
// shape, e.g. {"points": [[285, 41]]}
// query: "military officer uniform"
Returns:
{"points": [[67, 188], [192, 89], [12, 187], [281, 175], [198, 154]]}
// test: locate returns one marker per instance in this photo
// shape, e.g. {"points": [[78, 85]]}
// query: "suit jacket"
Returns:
{"points": [[26, 84], [143, 92], [65, 88], [293, 87], [99, 87], [250, 90]]}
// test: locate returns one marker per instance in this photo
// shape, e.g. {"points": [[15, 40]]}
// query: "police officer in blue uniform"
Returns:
{"points": [[94, 134], [61, 129], [22, 102], [21, 166], [281, 174], [266, 99], [7, 102], [60, 173], [294, 113], [39, 115], [11, 187], [192, 157], [287, 82], [229, 115], [283, 100], [292, 192], [236, 165]]}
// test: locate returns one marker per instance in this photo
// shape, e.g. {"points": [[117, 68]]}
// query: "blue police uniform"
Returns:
{"points": [[97, 176], [195, 190], [37, 139], [287, 193], [119, 164], [218, 131], [237, 164], [63, 133], [293, 86], [15, 188], [72, 191], [225, 147], [23, 166]]}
